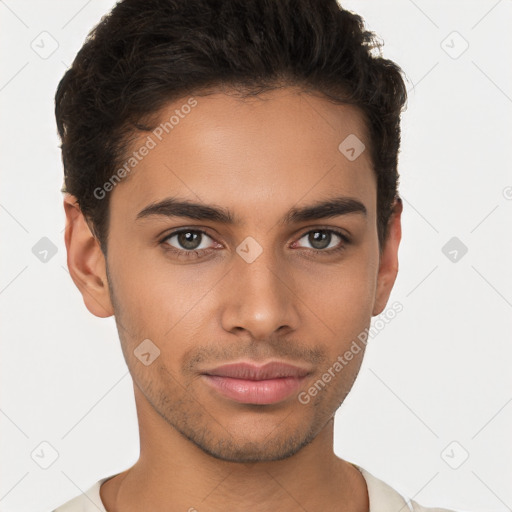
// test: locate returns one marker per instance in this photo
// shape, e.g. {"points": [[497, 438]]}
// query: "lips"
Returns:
{"points": [[248, 371], [251, 384]]}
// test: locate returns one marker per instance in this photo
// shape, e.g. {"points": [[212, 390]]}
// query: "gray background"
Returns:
{"points": [[431, 411]]}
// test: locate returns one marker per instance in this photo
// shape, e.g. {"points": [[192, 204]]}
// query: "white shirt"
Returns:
{"points": [[381, 496]]}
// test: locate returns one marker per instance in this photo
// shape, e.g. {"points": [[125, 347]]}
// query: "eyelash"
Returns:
{"points": [[196, 253]]}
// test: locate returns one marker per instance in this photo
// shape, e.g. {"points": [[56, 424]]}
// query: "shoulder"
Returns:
{"points": [[384, 498], [88, 501], [415, 507]]}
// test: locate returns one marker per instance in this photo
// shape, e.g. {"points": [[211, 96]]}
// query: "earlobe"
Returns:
{"points": [[388, 267], [86, 262]]}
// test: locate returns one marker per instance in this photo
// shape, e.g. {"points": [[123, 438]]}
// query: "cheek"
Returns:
{"points": [[342, 295], [159, 299], [143, 281]]}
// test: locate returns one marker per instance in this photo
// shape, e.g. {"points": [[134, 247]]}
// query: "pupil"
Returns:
{"points": [[187, 239], [324, 239]]}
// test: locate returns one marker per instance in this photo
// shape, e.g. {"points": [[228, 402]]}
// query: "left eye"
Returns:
{"points": [[321, 239]]}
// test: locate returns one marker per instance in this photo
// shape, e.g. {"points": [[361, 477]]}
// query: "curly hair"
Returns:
{"points": [[147, 53]]}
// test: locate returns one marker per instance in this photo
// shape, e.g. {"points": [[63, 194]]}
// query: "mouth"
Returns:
{"points": [[251, 384]]}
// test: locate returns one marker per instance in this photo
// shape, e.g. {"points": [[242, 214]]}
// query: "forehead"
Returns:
{"points": [[281, 147]]}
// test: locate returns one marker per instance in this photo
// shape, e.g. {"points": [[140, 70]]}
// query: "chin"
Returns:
{"points": [[246, 452]]}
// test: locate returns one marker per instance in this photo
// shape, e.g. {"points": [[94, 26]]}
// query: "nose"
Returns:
{"points": [[259, 297]]}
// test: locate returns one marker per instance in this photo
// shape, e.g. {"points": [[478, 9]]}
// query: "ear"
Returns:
{"points": [[388, 266], [86, 262]]}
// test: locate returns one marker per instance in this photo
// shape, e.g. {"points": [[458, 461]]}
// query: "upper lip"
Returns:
{"points": [[250, 371]]}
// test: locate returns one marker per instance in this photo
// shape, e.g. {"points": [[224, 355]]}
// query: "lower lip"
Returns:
{"points": [[268, 391]]}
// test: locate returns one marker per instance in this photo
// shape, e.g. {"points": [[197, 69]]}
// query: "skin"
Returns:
{"points": [[257, 157]]}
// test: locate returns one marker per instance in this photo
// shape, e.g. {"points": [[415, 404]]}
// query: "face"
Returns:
{"points": [[264, 278]]}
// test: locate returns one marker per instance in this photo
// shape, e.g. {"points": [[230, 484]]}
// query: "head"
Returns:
{"points": [[268, 133]]}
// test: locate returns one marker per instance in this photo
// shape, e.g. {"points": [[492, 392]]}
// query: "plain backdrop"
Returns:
{"points": [[431, 411]]}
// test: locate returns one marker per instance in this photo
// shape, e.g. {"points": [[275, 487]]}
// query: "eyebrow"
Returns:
{"points": [[175, 207]]}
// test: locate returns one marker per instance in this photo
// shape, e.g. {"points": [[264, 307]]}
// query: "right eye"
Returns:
{"points": [[189, 243]]}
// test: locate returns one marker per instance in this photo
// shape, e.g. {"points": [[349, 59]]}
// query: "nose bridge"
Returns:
{"points": [[258, 270], [260, 299]]}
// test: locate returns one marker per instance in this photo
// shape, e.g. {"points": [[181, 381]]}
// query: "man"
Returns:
{"points": [[231, 198]]}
